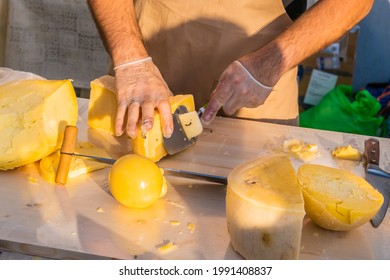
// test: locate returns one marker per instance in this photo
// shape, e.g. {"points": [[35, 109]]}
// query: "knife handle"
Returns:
{"points": [[371, 150], [67, 149]]}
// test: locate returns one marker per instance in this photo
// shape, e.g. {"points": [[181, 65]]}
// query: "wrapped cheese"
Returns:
{"points": [[33, 116], [264, 209]]}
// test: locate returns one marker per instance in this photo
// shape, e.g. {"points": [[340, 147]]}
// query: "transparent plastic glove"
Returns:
{"points": [[141, 89], [236, 89]]}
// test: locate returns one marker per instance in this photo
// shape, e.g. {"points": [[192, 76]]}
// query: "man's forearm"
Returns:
{"points": [[321, 25], [119, 30]]}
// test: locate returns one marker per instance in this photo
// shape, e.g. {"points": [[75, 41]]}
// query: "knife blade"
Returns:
{"points": [[171, 171], [377, 177]]}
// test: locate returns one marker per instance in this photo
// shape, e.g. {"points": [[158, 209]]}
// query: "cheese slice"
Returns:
{"points": [[191, 124], [33, 116], [102, 110], [264, 209], [48, 166]]}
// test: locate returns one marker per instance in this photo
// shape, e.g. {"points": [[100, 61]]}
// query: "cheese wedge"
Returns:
{"points": [[33, 116], [102, 110], [264, 209], [48, 166], [337, 199]]}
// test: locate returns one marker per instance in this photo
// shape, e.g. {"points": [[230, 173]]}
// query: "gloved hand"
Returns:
{"points": [[236, 89], [141, 89]]}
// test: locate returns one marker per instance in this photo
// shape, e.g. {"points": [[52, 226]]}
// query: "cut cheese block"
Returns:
{"points": [[337, 199], [103, 104], [102, 110], [33, 116], [264, 209], [346, 152], [150, 144], [48, 166]]}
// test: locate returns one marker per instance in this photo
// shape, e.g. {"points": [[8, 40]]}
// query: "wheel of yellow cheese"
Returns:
{"points": [[264, 209]]}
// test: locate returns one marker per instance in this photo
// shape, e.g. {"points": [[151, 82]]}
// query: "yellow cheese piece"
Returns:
{"points": [[301, 150], [191, 124], [264, 209], [103, 104], [79, 165], [150, 144], [346, 152], [33, 116], [102, 110], [337, 199], [166, 248]]}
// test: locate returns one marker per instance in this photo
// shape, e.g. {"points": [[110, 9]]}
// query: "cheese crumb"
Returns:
{"points": [[346, 152], [32, 180], [166, 247], [191, 227], [174, 223], [301, 150]]}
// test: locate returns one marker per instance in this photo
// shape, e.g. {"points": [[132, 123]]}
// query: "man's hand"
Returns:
{"points": [[236, 89], [141, 89]]}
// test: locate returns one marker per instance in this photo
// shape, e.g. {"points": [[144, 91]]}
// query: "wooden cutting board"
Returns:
{"points": [[82, 220]]}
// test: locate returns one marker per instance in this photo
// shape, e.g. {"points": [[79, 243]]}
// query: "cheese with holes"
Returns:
{"points": [[102, 110], [33, 116], [48, 166], [264, 209], [337, 199]]}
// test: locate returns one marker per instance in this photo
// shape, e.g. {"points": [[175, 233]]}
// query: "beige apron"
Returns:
{"points": [[193, 41]]}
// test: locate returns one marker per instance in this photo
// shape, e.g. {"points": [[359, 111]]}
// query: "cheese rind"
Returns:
{"points": [[264, 209], [33, 116]]}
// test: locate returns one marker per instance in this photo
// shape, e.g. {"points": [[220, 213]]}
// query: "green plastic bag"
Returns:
{"points": [[339, 110]]}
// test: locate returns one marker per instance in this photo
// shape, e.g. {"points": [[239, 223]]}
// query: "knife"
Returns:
{"points": [[171, 171], [377, 177]]}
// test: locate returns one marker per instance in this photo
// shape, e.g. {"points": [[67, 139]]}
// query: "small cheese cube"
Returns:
{"points": [[191, 124]]}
